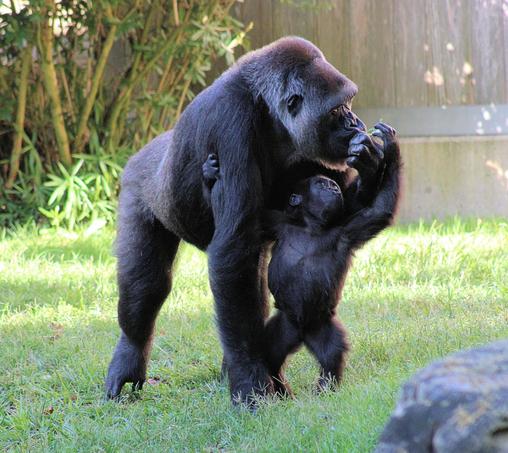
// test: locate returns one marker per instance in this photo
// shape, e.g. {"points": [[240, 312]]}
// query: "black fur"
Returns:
{"points": [[249, 118], [310, 260]]}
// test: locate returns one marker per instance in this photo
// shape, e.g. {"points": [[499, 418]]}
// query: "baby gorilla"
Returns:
{"points": [[310, 259]]}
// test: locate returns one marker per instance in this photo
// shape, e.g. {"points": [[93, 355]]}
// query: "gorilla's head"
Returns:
{"points": [[316, 200], [307, 98]]}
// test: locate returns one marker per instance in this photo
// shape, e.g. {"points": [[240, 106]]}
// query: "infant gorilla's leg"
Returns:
{"points": [[328, 344], [282, 339]]}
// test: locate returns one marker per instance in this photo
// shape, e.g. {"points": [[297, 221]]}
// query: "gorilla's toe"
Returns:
{"points": [[127, 365]]}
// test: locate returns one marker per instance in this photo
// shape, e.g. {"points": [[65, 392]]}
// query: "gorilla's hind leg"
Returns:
{"points": [[145, 254], [282, 339], [329, 345]]}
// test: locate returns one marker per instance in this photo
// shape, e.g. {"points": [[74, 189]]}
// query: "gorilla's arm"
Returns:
{"points": [[271, 220], [234, 254], [367, 158], [368, 222]]}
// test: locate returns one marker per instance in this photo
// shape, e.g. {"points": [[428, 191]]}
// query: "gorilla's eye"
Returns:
{"points": [[336, 111], [295, 200], [294, 103]]}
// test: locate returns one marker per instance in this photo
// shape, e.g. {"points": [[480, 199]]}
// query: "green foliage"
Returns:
{"points": [[120, 72], [414, 294]]}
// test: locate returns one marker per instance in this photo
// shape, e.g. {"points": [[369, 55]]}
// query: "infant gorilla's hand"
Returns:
{"points": [[390, 142], [211, 171], [365, 155]]}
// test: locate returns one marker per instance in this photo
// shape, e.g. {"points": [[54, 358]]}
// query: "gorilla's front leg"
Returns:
{"points": [[240, 308], [234, 258], [367, 158]]}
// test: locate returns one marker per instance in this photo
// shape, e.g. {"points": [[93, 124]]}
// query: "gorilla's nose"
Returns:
{"points": [[352, 121]]}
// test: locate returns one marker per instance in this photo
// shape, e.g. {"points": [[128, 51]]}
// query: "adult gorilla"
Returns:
{"points": [[277, 106]]}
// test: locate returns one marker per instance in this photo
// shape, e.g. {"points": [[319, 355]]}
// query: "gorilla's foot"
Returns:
{"points": [[127, 365], [249, 385], [328, 382]]}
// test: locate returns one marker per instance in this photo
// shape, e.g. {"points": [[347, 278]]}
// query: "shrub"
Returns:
{"points": [[84, 83]]}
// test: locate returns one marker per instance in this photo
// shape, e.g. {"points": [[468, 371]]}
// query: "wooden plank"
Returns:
{"points": [[466, 120], [332, 34], [488, 52], [504, 12], [449, 55], [372, 52], [250, 11], [411, 52], [292, 19]]}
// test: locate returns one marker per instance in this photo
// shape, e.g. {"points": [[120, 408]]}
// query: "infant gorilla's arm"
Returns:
{"points": [[368, 222]]}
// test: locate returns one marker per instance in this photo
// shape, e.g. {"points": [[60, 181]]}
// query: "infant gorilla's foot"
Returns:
{"points": [[211, 171], [127, 365]]}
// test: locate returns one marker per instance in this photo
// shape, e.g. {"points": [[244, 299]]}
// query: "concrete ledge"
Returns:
{"points": [[445, 176], [457, 120]]}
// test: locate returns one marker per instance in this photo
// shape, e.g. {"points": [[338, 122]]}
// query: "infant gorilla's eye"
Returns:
{"points": [[294, 103], [295, 199]]}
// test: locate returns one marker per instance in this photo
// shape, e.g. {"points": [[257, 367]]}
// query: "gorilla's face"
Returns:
{"points": [[316, 111], [317, 199]]}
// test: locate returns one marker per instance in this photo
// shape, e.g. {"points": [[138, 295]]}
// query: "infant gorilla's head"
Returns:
{"points": [[316, 200]]}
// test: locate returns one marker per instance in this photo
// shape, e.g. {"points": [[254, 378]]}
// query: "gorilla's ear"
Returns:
{"points": [[294, 103], [295, 200]]}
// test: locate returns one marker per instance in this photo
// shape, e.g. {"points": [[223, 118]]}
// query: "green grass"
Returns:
{"points": [[414, 294]]}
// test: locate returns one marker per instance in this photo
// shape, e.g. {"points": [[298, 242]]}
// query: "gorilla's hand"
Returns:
{"points": [[365, 156], [390, 142]]}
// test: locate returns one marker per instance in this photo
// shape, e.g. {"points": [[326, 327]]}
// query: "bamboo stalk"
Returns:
{"points": [[175, 13], [92, 95], [26, 60], [45, 43], [164, 81], [185, 90], [67, 92], [127, 85]]}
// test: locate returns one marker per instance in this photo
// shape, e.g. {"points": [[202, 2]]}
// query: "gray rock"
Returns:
{"points": [[456, 405]]}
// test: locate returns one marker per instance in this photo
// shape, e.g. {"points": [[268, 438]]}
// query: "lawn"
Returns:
{"points": [[414, 294]]}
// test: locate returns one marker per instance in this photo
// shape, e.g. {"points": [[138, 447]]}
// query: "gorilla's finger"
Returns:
{"points": [[371, 156], [385, 128], [361, 124], [374, 153], [356, 150], [360, 138], [358, 165], [387, 134]]}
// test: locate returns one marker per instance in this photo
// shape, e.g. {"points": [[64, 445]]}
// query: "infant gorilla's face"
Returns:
{"points": [[319, 198]]}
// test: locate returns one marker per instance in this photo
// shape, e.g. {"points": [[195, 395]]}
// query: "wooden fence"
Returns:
{"points": [[435, 69]]}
